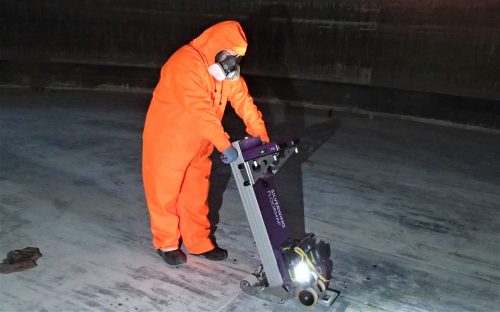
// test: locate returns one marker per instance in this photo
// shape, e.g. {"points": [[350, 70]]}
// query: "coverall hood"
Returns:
{"points": [[226, 35]]}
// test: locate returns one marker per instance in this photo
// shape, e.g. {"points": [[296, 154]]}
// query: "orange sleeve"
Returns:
{"points": [[244, 106], [194, 93]]}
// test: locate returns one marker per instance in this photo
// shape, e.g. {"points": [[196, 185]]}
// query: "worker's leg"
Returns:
{"points": [[192, 203], [163, 173], [162, 189]]}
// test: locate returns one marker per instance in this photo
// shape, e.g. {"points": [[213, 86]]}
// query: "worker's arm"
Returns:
{"points": [[244, 106]]}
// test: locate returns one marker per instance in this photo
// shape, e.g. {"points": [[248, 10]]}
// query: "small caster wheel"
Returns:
{"points": [[307, 297], [244, 285]]}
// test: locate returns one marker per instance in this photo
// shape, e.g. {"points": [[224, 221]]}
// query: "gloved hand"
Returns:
{"points": [[229, 155]]}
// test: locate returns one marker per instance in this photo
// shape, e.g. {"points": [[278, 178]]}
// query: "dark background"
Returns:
{"points": [[435, 59]]}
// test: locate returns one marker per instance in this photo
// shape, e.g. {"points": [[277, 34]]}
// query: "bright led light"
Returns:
{"points": [[302, 273]]}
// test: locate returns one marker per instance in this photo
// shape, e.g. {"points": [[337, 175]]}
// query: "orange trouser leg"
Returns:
{"points": [[162, 186], [192, 203]]}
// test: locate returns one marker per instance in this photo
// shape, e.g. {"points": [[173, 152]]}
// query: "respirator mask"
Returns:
{"points": [[226, 66]]}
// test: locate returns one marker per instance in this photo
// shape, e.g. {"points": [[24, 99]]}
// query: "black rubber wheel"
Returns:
{"points": [[307, 297]]}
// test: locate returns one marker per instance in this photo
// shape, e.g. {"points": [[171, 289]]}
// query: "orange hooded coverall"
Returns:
{"points": [[183, 124]]}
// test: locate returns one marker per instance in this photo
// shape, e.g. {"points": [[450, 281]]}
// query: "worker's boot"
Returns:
{"points": [[216, 254], [173, 257]]}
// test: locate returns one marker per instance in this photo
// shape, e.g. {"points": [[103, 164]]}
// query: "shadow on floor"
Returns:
{"points": [[286, 123]]}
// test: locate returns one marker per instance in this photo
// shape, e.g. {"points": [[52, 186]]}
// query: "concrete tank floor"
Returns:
{"points": [[411, 210]]}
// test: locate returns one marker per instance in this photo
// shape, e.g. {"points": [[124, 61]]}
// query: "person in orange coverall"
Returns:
{"points": [[183, 124]]}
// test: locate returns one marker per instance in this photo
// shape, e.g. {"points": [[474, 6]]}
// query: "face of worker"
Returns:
{"points": [[227, 66]]}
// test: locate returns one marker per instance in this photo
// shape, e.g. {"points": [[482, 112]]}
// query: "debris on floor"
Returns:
{"points": [[20, 260]]}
